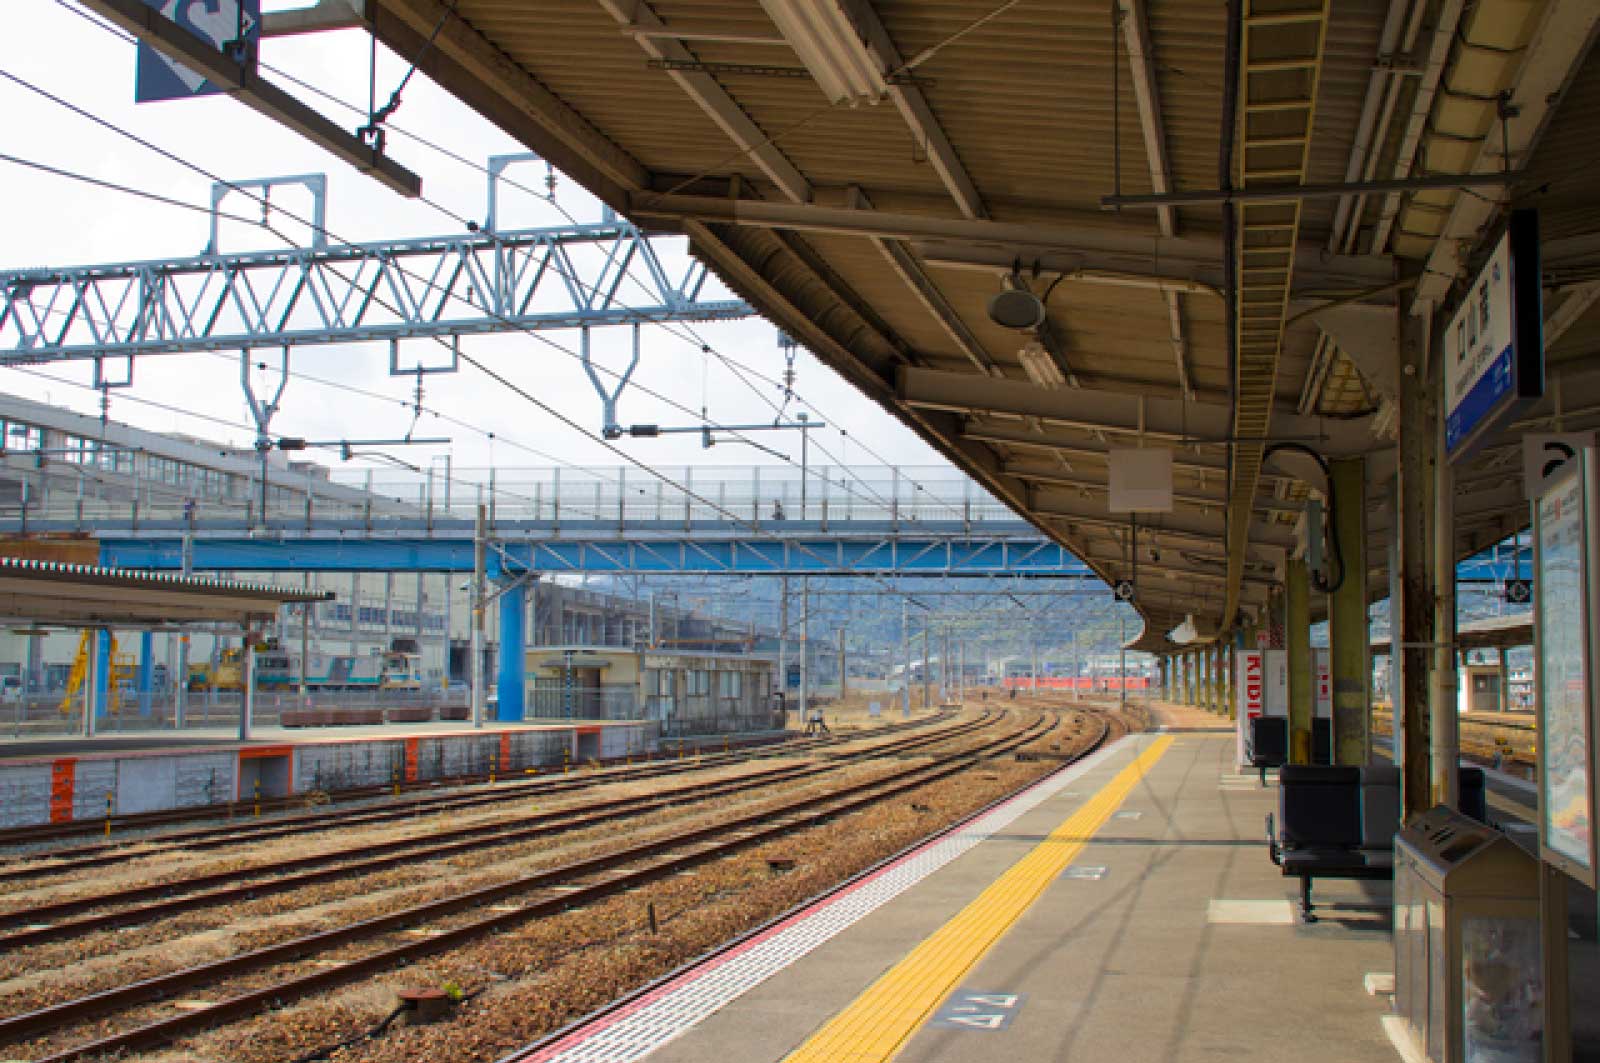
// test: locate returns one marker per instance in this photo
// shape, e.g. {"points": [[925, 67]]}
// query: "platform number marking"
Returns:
{"points": [[1546, 454], [968, 1010]]}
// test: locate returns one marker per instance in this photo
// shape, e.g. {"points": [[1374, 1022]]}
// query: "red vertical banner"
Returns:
{"points": [[411, 760], [63, 781], [505, 752]]}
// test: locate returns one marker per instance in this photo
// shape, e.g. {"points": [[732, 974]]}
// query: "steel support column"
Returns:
{"points": [[513, 652], [102, 672], [1347, 616], [1444, 725], [1410, 657], [1297, 641], [146, 676]]}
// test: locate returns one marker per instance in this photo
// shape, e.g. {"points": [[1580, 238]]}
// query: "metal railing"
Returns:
{"points": [[763, 496]]}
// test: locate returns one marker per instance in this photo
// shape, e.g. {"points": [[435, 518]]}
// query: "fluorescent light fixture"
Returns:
{"points": [[823, 36], [1040, 367]]}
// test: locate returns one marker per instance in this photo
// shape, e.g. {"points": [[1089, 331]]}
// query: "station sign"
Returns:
{"points": [[1494, 344], [219, 23]]}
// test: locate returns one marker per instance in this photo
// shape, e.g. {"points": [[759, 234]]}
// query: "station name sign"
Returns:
{"points": [[1494, 344]]}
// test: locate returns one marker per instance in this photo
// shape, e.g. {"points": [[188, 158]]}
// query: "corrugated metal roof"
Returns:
{"points": [[1030, 102]]}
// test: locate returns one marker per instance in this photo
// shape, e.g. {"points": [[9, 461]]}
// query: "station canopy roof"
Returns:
{"points": [[872, 173], [68, 595]]}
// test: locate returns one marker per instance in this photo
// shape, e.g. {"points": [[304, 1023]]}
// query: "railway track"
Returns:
{"points": [[37, 863], [1506, 744], [233, 810], [292, 969], [46, 922]]}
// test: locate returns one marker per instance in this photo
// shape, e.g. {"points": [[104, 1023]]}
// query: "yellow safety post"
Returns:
{"points": [[258, 797], [110, 797]]}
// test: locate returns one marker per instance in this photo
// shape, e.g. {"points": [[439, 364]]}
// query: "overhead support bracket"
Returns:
{"points": [[237, 80]]}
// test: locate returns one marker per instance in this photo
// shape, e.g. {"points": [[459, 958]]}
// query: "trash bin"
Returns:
{"points": [[1466, 940]]}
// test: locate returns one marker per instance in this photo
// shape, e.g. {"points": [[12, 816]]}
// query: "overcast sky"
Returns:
{"points": [[47, 220]]}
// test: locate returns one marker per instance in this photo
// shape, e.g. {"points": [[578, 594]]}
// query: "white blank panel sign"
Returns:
{"points": [[1141, 480]]}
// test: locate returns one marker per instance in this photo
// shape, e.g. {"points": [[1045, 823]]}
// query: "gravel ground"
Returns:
{"points": [[545, 972], [548, 972]]}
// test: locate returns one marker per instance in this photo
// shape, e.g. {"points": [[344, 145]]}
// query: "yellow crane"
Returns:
{"points": [[122, 669]]}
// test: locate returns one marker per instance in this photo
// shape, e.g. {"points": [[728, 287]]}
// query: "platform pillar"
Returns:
{"points": [[1410, 658], [146, 670], [102, 672], [1208, 678], [513, 652], [1349, 651], [1505, 678], [1297, 641], [1230, 680]]}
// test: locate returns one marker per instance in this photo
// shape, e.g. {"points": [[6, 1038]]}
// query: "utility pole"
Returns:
{"points": [[805, 646], [180, 703], [944, 667], [783, 637], [844, 686], [927, 670], [475, 592], [905, 656], [1122, 657]]}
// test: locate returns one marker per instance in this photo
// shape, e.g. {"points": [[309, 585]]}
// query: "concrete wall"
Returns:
{"points": [[69, 788]]}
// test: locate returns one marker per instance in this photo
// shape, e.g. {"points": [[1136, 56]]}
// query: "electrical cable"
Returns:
{"points": [[481, 367], [692, 336], [1336, 554], [112, 186]]}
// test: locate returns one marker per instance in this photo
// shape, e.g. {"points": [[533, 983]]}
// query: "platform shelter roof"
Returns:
{"points": [[69, 595]]}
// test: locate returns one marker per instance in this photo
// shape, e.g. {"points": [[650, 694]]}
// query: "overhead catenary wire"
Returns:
{"points": [[688, 335], [504, 382]]}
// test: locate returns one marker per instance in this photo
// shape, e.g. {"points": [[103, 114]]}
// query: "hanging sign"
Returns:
{"points": [[1545, 455], [219, 23], [1494, 344]]}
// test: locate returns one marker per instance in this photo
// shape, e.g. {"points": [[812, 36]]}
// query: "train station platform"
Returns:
{"points": [[1124, 909], [58, 780]]}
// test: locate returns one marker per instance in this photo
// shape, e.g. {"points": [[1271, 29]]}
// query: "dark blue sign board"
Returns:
{"points": [[224, 24], [1494, 343]]}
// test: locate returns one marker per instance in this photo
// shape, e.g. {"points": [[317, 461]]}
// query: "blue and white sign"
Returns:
{"points": [[1493, 346], [217, 22]]}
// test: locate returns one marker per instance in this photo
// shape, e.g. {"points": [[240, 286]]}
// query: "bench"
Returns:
{"points": [[1340, 822], [1266, 744], [1334, 823]]}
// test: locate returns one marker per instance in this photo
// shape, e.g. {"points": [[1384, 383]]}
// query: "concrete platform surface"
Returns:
{"points": [[212, 738], [1132, 916]]}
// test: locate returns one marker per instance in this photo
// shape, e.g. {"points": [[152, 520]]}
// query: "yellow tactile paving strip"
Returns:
{"points": [[880, 1021]]}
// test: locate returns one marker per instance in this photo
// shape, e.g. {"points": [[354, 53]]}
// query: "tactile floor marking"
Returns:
{"points": [[651, 1021]]}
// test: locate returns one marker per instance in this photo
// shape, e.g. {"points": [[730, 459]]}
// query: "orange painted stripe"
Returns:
{"points": [[411, 760], [505, 751], [257, 752], [63, 782]]}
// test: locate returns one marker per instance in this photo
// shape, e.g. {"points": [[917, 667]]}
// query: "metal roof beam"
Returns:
{"points": [[1090, 408], [1190, 263], [1141, 64], [485, 77], [913, 107], [1066, 504], [712, 98], [905, 264], [1551, 60]]}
